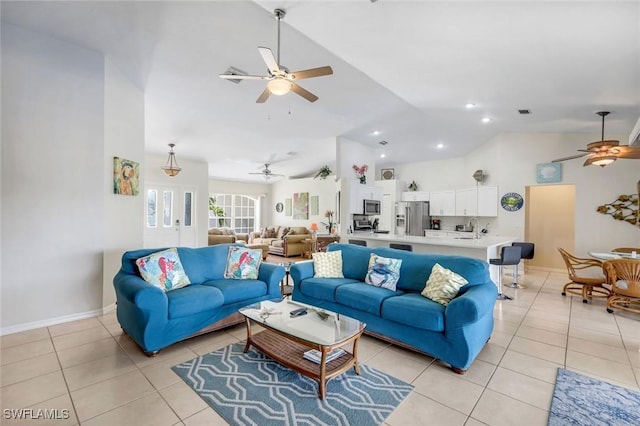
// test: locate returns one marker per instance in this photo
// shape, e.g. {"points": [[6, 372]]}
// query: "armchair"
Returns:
{"points": [[586, 284], [624, 277], [282, 240]]}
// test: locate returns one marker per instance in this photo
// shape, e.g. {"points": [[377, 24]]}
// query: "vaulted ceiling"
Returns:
{"points": [[403, 68]]}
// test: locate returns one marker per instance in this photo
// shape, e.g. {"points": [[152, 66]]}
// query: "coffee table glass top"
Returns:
{"points": [[318, 326]]}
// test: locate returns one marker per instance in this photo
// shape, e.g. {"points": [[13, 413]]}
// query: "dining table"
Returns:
{"points": [[608, 255]]}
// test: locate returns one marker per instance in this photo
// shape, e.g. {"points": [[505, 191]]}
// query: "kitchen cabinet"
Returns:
{"points": [[484, 202], [442, 203], [359, 192], [391, 193], [415, 196]]}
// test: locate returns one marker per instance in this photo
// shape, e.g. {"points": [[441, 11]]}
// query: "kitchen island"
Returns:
{"points": [[463, 244]]}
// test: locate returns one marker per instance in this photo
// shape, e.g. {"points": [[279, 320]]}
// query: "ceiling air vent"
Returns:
{"points": [[524, 111], [383, 143], [234, 71]]}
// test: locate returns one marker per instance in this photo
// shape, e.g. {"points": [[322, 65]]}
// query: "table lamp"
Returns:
{"points": [[314, 228]]}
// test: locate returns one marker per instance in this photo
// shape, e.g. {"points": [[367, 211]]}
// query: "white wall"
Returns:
{"points": [[124, 138], [324, 188], [348, 154], [510, 162], [53, 209]]}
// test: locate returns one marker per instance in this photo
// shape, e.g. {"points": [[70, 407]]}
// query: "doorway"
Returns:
{"points": [[170, 219], [550, 223]]}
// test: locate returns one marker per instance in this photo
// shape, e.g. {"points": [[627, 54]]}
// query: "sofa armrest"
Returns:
{"points": [[300, 271], [254, 234], [470, 306], [140, 293], [220, 239], [271, 274], [296, 238], [242, 237]]}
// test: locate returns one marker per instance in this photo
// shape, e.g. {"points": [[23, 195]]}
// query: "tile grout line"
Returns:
{"points": [[64, 377]]}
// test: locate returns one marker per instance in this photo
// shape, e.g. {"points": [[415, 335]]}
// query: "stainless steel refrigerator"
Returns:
{"points": [[417, 217]]}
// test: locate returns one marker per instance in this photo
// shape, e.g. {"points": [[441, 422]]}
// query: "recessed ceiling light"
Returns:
{"points": [[383, 155], [469, 105], [486, 120], [376, 132], [440, 146]]}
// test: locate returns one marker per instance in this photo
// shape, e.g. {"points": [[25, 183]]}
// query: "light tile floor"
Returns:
{"points": [[101, 377]]}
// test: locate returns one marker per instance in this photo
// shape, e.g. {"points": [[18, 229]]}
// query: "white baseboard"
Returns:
{"points": [[55, 321]]}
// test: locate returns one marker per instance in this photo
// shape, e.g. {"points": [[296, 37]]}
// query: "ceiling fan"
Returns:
{"points": [[280, 80], [266, 173], [604, 152]]}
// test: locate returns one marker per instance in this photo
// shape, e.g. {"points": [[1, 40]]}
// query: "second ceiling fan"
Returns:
{"points": [[280, 80]]}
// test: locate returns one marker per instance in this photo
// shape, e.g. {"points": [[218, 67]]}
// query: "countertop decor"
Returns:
{"points": [[413, 186], [360, 172]]}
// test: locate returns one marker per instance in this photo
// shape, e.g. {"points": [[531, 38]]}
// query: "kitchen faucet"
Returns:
{"points": [[476, 228]]}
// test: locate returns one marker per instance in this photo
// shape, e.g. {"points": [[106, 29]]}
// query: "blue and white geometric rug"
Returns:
{"points": [[252, 389], [582, 400]]}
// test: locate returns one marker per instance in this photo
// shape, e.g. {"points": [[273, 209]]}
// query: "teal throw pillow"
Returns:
{"points": [[163, 269], [383, 272], [243, 263]]}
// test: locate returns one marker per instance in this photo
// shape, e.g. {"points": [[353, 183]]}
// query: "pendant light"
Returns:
{"points": [[171, 167]]}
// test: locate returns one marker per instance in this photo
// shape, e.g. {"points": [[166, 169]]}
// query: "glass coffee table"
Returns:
{"points": [[286, 339]]}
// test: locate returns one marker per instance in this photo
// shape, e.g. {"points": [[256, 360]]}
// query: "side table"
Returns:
{"points": [[285, 288], [309, 246]]}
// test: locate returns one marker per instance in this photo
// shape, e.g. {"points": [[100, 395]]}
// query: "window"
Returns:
{"points": [[152, 204], [232, 211], [188, 214], [167, 208]]}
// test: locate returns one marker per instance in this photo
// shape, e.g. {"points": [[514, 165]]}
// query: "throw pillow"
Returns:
{"points": [[443, 285], [383, 272], [243, 263], [264, 233], [327, 265], [163, 269], [271, 232], [282, 231]]}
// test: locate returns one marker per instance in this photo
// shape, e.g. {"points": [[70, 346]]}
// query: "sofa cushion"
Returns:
{"points": [[236, 291], [364, 297], [243, 263], [323, 288], [163, 269], [414, 310], [443, 285], [192, 300], [383, 272], [327, 265], [277, 243]]}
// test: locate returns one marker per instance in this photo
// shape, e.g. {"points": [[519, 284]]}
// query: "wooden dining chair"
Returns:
{"points": [[588, 285], [624, 277]]}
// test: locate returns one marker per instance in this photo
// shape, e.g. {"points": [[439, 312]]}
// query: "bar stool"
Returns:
{"points": [[358, 242], [406, 247], [509, 255], [527, 253]]}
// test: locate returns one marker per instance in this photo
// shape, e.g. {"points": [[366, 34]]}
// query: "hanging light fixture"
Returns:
{"points": [[603, 160], [171, 167], [279, 86]]}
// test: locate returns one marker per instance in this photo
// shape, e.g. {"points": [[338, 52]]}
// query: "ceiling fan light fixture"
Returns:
{"points": [[171, 168], [604, 160], [279, 86]]}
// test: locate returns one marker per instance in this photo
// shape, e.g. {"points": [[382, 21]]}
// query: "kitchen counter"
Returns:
{"points": [[461, 243]]}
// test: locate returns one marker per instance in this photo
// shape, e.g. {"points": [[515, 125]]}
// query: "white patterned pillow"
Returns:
{"points": [[443, 285], [328, 265], [383, 272]]}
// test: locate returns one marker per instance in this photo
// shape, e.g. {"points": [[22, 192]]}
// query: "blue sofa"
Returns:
{"points": [[155, 319], [455, 334]]}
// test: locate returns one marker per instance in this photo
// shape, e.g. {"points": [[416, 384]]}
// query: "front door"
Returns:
{"points": [[169, 216]]}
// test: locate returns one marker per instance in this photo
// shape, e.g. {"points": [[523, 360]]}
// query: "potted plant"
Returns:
{"points": [[413, 186], [360, 172], [323, 172]]}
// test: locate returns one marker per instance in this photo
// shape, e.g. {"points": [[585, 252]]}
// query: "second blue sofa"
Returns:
{"points": [[455, 333]]}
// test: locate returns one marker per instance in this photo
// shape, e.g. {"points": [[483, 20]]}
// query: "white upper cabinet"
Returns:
{"points": [[442, 203], [415, 196], [359, 193], [484, 202]]}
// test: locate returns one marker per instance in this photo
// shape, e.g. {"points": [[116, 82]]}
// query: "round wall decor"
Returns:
{"points": [[511, 201], [279, 207]]}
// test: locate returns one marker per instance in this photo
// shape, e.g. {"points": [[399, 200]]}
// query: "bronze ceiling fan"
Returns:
{"points": [[604, 152], [280, 80]]}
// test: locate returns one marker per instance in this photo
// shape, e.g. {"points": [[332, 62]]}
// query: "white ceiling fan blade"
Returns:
{"points": [[303, 92], [244, 77], [263, 96], [310, 73], [270, 60]]}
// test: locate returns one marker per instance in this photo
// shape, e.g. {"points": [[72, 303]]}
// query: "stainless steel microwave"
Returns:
{"points": [[371, 207]]}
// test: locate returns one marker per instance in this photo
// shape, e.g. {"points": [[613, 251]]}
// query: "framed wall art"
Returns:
{"points": [[287, 206], [387, 174], [301, 205], [548, 172], [126, 176]]}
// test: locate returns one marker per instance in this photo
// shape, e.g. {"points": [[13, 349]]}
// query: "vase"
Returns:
{"points": [[363, 180]]}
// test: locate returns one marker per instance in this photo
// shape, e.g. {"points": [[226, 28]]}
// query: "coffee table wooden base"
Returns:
{"points": [[289, 350]]}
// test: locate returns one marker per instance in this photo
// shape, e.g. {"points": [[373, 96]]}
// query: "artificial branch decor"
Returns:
{"points": [[360, 172], [624, 208], [323, 172]]}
